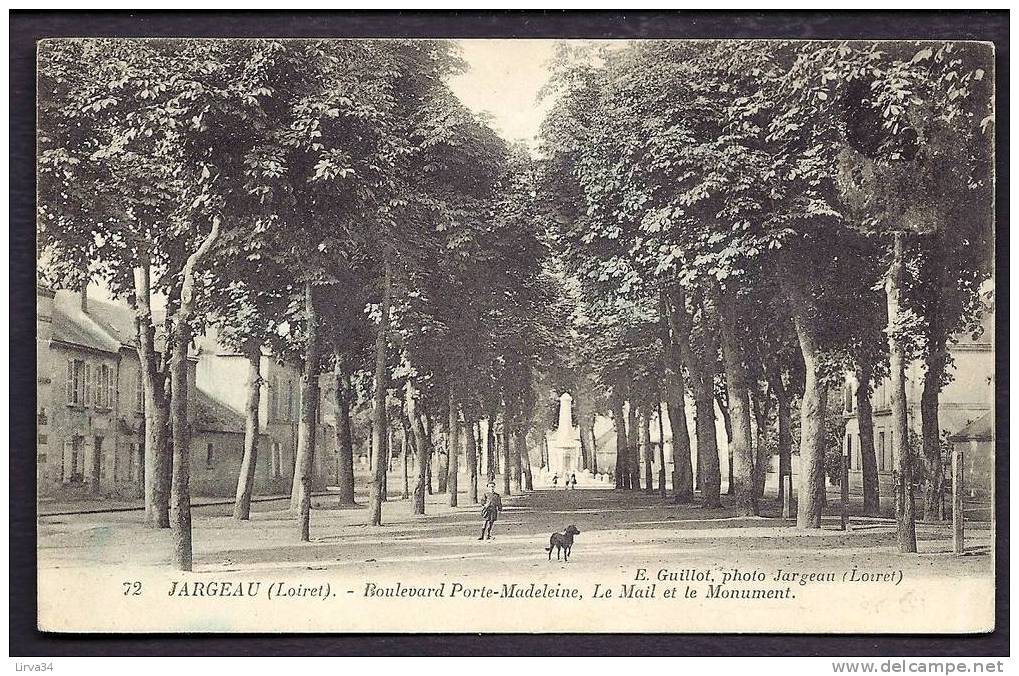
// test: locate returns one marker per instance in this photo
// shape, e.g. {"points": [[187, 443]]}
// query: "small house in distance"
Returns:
{"points": [[976, 442]]}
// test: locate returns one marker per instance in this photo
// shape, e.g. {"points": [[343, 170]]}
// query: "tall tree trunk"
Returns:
{"points": [[676, 338], [442, 460], [703, 348], [741, 448], [472, 460], [594, 445], [813, 405], [453, 445], [158, 454], [586, 437], [344, 436], [524, 458], [760, 403], [783, 415], [180, 493], [586, 434], [633, 446], [497, 444], [646, 451], [507, 460], [707, 443], [249, 461], [304, 461], [389, 459], [433, 453], [936, 363], [930, 427], [661, 448], [868, 454], [619, 418], [423, 445], [905, 512], [491, 464], [479, 445], [405, 446], [722, 401], [518, 469], [379, 446]]}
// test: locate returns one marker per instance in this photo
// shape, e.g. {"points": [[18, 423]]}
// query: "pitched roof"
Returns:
{"points": [[72, 326], [106, 326], [981, 429], [212, 415], [116, 320]]}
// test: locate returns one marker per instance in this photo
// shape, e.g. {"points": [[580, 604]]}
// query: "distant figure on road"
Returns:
{"points": [[491, 505], [555, 481], [573, 481]]}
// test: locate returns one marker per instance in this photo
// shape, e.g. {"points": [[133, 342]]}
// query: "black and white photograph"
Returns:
{"points": [[532, 335]]}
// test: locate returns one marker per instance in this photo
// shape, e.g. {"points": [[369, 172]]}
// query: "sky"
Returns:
{"points": [[503, 78]]}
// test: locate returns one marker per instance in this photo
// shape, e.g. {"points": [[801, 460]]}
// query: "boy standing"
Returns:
{"points": [[491, 505]]}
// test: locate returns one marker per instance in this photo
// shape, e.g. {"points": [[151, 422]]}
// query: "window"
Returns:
{"points": [[103, 395], [209, 461], [76, 374], [881, 450]]}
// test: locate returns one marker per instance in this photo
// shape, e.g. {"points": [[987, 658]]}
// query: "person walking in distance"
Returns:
{"points": [[555, 481], [491, 505], [573, 481]]}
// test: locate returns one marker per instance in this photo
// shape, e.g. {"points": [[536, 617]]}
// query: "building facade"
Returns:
{"points": [[222, 376], [90, 418], [968, 397]]}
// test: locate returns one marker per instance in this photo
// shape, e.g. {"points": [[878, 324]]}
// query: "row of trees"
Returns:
{"points": [[745, 222], [327, 201], [750, 221]]}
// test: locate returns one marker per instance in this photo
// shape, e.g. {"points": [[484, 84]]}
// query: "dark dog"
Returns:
{"points": [[562, 542]]}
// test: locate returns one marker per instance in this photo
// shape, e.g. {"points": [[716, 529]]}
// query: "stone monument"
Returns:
{"points": [[564, 443]]}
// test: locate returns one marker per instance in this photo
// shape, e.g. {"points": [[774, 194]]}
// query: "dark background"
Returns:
{"points": [[27, 27]]}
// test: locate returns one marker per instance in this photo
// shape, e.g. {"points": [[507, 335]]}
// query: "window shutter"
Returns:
{"points": [[79, 382], [102, 372], [87, 385], [69, 386], [111, 389]]}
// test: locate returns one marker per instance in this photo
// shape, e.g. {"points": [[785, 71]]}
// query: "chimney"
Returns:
{"points": [[84, 298]]}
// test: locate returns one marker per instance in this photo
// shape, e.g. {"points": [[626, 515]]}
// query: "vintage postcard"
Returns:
{"points": [[407, 335]]}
